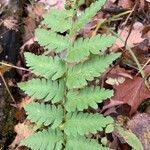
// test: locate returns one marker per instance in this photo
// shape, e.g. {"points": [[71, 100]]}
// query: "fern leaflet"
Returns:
{"points": [[82, 47], [84, 123], [79, 74], [58, 20], [89, 96], [44, 114], [44, 89], [44, 140], [48, 67], [51, 40], [82, 143]]}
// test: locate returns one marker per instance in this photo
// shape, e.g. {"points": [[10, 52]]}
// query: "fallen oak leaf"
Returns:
{"points": [[132, 92]]}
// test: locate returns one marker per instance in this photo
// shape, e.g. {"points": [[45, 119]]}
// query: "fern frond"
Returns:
{"points": [[82, 47], [86, 16], [58, 20], [44, 114], [44, 140], [82, 143], [79, 74], [89, 96], [43, 89], [51, 40], [45, 66], [84, 123]]}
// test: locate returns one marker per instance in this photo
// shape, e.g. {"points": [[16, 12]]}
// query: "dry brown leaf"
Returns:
{"points": [[28, 43], [25, 101], [140, 126], [119, 72], [35, 11], [117, 76], [23, 130], [29, 28], [135, 36], [126, 4], [10, 23], [53, 3], [132, 91]]}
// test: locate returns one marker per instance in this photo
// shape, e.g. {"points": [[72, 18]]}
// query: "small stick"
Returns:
{"points": [[7, 88], [13, 66]]}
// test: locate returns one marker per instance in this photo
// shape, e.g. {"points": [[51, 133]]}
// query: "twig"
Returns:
{"points": [[144, 65], [13, 66], [7, 88]]}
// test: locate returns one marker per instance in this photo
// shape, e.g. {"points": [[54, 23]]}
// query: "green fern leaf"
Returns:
{"points": [[44, 89], [44, 140], [89, 96], [58, 20], [79, 74], [51, 40], [86, 16], [82, 47], [44, 114], [84, 123], [48, 67], [82, 143]]}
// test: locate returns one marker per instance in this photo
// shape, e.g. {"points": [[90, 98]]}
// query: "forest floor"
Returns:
{"points": [[130, 19]]}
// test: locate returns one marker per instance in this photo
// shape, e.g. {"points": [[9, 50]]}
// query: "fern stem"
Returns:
{"points": [[72, 37]]}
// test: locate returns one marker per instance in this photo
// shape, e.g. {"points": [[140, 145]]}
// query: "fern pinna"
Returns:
{"points": [[62, 92]]}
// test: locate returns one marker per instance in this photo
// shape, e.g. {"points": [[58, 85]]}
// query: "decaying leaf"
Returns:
{"points": [[23, 130], [30, 25], [140, 126], [126, 4], [25, 101], [53, 3], [10, 23], [134, 38]]}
